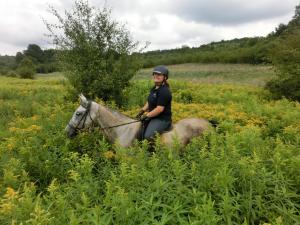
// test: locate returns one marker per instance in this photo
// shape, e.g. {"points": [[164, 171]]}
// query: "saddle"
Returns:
{"points": [[169, 128], [140, 135]]}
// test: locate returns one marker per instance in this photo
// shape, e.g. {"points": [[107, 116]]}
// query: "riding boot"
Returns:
{"points": [[141, 133]]}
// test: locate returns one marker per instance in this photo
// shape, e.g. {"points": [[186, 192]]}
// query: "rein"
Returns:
{"points": [[103, 128]]}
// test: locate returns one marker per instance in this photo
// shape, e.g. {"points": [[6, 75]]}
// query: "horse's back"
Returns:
{"points": [[184, 130]]}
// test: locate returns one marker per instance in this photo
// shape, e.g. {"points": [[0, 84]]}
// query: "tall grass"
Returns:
{"points": [[244, 172]]}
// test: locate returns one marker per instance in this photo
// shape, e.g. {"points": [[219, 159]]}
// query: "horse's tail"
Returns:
{"points": [[213, 122]]}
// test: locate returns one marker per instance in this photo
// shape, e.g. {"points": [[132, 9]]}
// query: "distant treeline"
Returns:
{"points": [[43, 61], [7, 63], [245, 50]]}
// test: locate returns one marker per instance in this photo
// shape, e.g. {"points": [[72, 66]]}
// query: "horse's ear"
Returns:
{"points": [[83, 101]]}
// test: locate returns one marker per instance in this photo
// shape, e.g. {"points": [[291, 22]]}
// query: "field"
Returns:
{"points": [[247, 171], [218, 73]]}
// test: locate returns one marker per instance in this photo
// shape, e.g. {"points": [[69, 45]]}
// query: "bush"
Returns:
{"points": [[12, 73], [3, 71], [95, 51], [26, 68], [286, 58], [288, 87]]}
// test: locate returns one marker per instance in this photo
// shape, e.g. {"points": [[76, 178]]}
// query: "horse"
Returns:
{"points": [[121, 129]]}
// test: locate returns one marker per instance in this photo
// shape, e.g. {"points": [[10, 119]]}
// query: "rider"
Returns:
{"points": [[156, 114]]}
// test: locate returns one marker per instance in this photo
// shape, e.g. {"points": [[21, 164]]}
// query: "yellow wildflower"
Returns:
{"points": [[109, 154], [10, 193], [34, 117], [10, 146], [34, 128], [53, 186], [13, 129], [74, 175], [6, 208]]}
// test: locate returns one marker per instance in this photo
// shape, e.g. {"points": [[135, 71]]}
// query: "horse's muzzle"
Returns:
{"points": [[71, 132]]}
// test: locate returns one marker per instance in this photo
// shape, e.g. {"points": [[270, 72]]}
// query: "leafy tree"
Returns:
{"points": [[286, 58], [35, 52], [19, 57], [26, 68], [297, 12], [95, 51], [44, 60]]}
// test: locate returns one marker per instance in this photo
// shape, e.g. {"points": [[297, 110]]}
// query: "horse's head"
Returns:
{"points": [[83, 118]]}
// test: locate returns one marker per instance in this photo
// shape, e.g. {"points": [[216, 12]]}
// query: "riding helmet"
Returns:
{"points": [[161, 70]]}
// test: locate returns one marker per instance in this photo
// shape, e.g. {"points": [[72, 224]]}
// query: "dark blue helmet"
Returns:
{"points": [[161, 70]]}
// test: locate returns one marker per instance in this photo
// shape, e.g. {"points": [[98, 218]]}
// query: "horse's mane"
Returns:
{"points": [[116, 113]]}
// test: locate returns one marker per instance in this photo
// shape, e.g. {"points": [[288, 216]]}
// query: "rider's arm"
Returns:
{"points": [[156, 111], [146, 107]]}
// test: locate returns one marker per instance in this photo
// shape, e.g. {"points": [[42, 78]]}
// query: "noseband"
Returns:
{"points": [[83, 118]]}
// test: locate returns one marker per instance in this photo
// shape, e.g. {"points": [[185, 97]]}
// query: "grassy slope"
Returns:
{"points": [[217, 73]]}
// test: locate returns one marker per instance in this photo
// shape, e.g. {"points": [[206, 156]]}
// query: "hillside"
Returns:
{"points": [[245, 50]]}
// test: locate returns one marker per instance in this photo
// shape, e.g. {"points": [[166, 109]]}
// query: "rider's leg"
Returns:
{"points": [[141, 132], [156, 126]]}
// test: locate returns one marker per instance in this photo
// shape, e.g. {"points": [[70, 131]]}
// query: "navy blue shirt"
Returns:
{"points": [[161, 97]]}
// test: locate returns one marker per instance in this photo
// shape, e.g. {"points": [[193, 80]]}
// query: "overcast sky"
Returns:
{"points": [[165, 23]]}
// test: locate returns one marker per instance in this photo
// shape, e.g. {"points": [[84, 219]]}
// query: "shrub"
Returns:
{"points": [[11, 73], [95, 51], [26, 68], [286, 58]]}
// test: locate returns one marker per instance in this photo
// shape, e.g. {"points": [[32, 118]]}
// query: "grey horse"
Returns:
{"points": [[123, 130]]}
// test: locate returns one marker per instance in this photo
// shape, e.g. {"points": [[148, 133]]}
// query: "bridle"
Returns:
{"points": [[87, 113], [83, 118]]}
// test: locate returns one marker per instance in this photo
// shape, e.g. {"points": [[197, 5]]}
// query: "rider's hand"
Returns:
{"points": [[144, 118], [139, 115]]}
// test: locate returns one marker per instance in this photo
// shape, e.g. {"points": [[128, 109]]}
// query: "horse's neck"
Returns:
{"points": [[123, 134]]}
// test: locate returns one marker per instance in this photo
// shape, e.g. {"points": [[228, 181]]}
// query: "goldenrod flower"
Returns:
{"points": [[109, 154], [10, 193]]}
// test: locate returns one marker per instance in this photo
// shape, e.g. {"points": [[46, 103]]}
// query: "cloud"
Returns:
{"points": [[231, 12], [215, 12], [21, 24], [165, 23]]}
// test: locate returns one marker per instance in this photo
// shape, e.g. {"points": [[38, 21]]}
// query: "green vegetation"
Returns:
{"points": [[286, 60], [244, 172], [45, 60], [26, 68], [97, 51], [94, 51], [217, 73], [246, 50], [7, 63]]}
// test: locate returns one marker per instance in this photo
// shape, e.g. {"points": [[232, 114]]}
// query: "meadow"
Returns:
{"points": [[246, 171], [218, 73]]}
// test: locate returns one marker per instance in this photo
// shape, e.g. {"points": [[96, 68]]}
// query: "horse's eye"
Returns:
{"points": [[78, 114]]}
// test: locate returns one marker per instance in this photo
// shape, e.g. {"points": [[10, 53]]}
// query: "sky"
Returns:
{"points": [[165, 24]]}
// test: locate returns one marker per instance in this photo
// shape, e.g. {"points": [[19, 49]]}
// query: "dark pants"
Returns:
{"points": [[155, 125]]}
